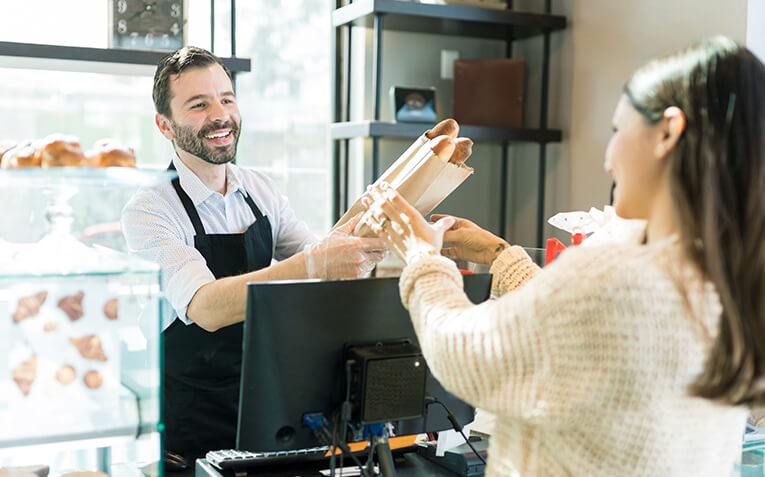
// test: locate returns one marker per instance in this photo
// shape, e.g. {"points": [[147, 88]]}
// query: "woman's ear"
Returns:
{"points": [[672, 127], [163, 124]]}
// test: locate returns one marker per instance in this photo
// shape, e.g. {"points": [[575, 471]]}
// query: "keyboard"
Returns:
{"points": [[230, 459]]}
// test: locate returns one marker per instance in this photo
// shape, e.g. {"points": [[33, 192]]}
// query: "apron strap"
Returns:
{"points": [[187, 203]]}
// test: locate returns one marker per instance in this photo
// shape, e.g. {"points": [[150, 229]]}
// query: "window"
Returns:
{"points": [[285, 100]]}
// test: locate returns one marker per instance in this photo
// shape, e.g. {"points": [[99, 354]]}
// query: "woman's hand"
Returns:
{"points": [[401, 226], [470, 242]]}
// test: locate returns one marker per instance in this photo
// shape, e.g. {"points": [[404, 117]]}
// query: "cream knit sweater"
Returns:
{"points": [[585, 364]]}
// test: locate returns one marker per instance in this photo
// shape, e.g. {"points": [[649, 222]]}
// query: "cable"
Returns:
{"points": [[345, 409], [370, 457], [333, 447], [344, 447], [456, 425], [320, 428]]}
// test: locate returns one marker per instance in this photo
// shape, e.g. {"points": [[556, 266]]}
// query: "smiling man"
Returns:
{"points": [[213, 229]]}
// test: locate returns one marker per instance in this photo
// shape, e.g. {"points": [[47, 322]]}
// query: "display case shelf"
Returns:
{"points": [[128, 425], [83, 177], [353, 129], [79, 330], [447, 19]]}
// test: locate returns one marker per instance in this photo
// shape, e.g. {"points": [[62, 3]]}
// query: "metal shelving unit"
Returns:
{"points": [[398, 15], [351, 129]]}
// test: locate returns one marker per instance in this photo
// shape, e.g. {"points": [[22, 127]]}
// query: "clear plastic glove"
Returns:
{"points": [[401, 226], [341, 255]]}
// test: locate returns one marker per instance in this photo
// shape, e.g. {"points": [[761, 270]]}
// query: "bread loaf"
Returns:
{"points": [[110, 153], [443, 147], [23, 155], [447, 127], [463, 147], [61, 151]]}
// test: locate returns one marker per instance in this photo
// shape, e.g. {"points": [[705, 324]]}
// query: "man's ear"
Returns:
{"points": [[163, 124], [672, 127]]}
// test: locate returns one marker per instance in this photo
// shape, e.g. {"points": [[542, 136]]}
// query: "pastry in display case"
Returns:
{"points": [[79, 325]]}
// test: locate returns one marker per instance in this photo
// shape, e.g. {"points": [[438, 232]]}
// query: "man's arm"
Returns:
{"points": [[192, 289], [223, 302]]}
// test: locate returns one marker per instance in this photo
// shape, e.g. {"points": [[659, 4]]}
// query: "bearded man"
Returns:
{"points": [[212, 230]]}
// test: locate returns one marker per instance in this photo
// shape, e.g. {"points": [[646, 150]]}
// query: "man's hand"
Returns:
{"points": [[341, 255]]}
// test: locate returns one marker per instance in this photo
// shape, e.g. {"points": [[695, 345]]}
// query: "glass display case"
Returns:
{"points": [[79, 337]]}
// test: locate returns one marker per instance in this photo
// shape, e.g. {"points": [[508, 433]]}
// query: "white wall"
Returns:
{"points": [[755, 30], [610, 39]]}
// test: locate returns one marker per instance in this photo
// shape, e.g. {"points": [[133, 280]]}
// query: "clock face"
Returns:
{"points": [[147, 24]]}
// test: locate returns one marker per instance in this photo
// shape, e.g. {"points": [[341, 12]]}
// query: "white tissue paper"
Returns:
{"points": [[599, 227]]}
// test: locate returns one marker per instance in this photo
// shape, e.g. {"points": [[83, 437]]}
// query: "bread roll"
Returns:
{"points": [[443, 147], [61, 151], [111, 307], [463, 147], [23, 155], [66, 374], [5, 146], [110, 153], [447, 127], [93, 379]]}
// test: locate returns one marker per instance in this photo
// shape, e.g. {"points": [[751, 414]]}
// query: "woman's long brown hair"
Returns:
{"points": [[718, 187]]}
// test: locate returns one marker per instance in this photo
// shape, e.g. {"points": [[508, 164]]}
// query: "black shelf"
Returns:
{"points": [[447, 19], [353, 129], [100, 55]]}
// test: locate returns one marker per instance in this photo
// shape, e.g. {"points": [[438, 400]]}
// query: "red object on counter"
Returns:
{"points": [[554, 247], [577, 238]]}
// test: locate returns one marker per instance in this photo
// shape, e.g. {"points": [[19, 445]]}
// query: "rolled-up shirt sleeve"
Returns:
{"points": [[152, 233]]}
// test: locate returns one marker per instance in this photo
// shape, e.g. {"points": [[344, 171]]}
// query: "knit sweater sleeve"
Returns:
{"points": [[502, 355], [511, 269]]}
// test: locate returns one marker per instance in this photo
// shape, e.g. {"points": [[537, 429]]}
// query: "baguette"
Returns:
{"points": [[447, 127], [443, 147], [463, 148]]}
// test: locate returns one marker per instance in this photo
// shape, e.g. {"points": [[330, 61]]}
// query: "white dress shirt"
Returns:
{"points": [[157, 228]]}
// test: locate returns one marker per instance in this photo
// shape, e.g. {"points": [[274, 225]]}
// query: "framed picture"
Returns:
{"points": [[417, 105]]}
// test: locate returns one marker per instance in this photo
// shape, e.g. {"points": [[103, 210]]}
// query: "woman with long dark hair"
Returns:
{"points": [[634, 359]]}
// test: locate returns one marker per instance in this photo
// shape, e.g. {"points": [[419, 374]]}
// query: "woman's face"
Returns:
{"points": [[632, 161]]}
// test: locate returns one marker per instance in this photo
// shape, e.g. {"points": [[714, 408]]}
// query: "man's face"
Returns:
{"points": [[205, 119]]}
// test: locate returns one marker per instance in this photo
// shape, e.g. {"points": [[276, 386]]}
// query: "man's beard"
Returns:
{"points": [[194, 142]]}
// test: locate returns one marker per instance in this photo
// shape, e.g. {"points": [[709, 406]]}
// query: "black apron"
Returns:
{"points": [[202, 369]]}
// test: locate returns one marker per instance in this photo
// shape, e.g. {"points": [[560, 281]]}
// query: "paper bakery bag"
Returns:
{"points": [[430, 169]]}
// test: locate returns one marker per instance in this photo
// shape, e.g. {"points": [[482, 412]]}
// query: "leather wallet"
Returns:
{"points": [[489, 92]]}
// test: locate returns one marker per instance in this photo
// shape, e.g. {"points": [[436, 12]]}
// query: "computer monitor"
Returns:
{"points": [[296, 335]]}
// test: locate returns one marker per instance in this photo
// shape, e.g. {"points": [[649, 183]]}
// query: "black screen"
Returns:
{"points": [[295, 334]]}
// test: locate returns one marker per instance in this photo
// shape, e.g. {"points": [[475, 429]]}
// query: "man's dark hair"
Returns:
{"points": [[176, 63]]}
